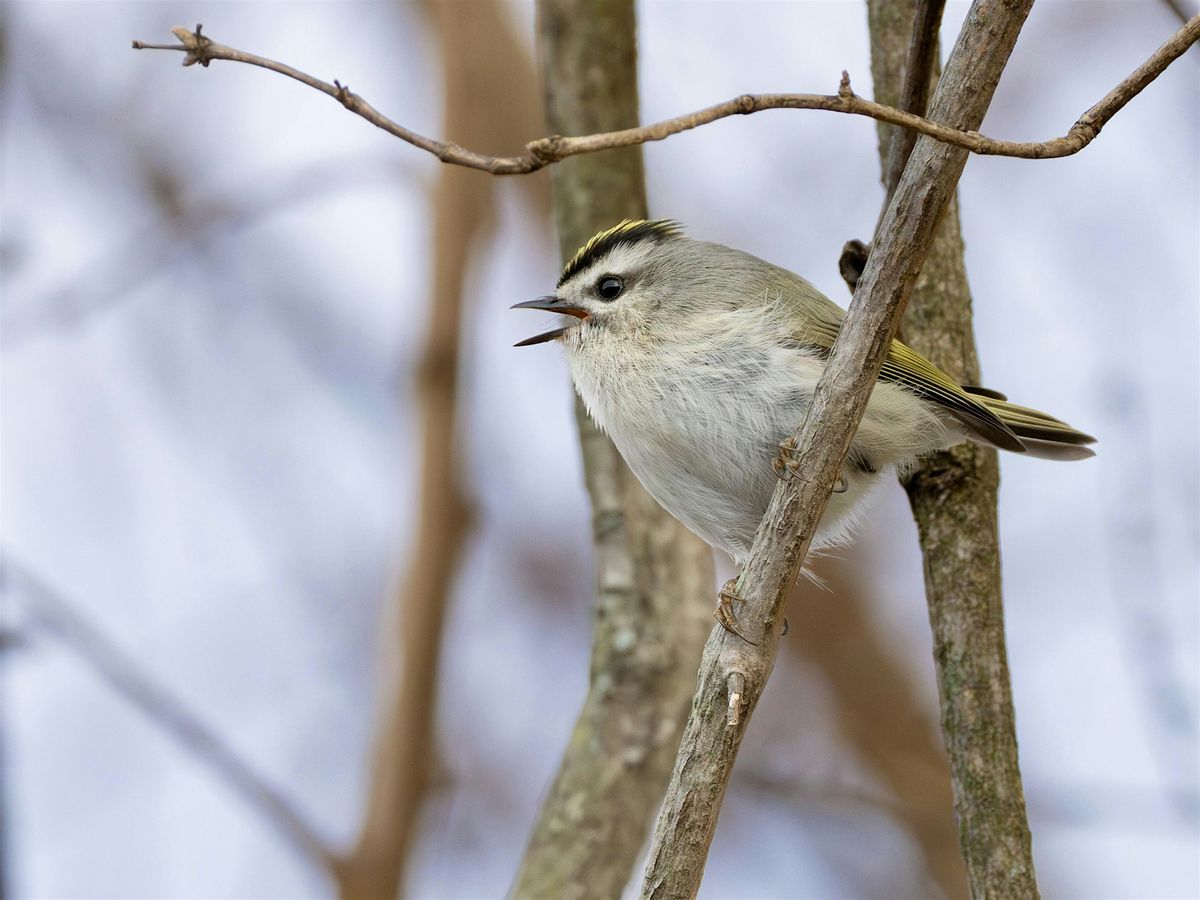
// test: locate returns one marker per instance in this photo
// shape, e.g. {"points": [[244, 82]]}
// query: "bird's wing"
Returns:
{"points": [[821, 320]]}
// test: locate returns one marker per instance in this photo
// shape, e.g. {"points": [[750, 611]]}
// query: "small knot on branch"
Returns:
{"points": [[746, 104], [736, 686], [343, 94], [545, 150], [1084, 131], [195, 44], [844, 90]]}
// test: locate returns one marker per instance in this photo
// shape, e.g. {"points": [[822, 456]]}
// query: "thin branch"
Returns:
{"points": [[688, 819], [198, 48], [914, 96], [115, 277], [473, 51], [58, 615]]}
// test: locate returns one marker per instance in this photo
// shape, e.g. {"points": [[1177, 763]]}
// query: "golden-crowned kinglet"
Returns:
{"points": [[698, 359]]}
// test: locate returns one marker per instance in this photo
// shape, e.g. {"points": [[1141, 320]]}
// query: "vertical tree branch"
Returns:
{"points": [[483, 66], [879, 713], [654, 580], [920, 60], [711, 739], [953, 497]]}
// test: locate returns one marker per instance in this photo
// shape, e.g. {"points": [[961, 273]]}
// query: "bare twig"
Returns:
{"points": [[199, 48], [56, 614], [688, 818]]}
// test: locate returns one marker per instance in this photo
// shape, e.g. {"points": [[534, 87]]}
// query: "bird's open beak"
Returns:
{"points": [[550, 304]]}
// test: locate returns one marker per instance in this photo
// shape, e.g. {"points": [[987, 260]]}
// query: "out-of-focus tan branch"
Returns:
{"points": [[1178, 10], [199, 48], [59, 616], [483, 66]]}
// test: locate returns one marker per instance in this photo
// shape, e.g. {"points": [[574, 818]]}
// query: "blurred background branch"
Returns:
{"points": [[489, 91], [880, 714], [190, 217], [58, 616]]}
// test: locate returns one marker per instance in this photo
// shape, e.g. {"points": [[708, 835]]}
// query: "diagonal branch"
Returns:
{"points": [[113, 666], [731, 666], [199, 48]]}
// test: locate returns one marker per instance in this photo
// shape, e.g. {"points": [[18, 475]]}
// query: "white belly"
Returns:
{"points": [[700, 431]]}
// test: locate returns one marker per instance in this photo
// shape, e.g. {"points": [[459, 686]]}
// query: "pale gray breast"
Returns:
{"points": [[699, 425]]}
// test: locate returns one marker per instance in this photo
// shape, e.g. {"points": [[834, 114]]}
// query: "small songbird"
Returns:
{"points": [[698, 360]]}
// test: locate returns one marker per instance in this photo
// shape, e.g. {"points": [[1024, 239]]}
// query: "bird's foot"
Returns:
{"points": [[786, 464], [724, 611]]}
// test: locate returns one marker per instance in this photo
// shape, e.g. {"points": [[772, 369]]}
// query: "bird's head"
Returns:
{"points": [[617, 281]]}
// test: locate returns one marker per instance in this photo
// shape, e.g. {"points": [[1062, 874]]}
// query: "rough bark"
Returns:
{"points": [[953, 498], [654, 580], [733, 671], [879, 713]]}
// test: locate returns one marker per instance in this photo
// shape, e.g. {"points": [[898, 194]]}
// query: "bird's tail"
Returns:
{"points": [[1043, 435]]}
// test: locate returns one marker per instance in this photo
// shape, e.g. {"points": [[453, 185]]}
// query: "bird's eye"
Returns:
{"points": [[609, 287]]}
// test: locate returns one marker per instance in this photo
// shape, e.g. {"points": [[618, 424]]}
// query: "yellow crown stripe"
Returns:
{"points": [[628, 231]]}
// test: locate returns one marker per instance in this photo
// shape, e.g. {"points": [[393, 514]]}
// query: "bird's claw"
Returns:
{"points": [[785, 462], [786, 465], [724, 611]]}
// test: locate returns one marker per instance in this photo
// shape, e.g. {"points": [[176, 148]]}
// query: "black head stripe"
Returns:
{"points": [[630, 231]]}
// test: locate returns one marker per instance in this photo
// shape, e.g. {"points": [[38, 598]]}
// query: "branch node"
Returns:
{"points": [[844, 91], [736, 685], [196, 45], [343, 94], [853, 262], [545, 150], [746, 104]]}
